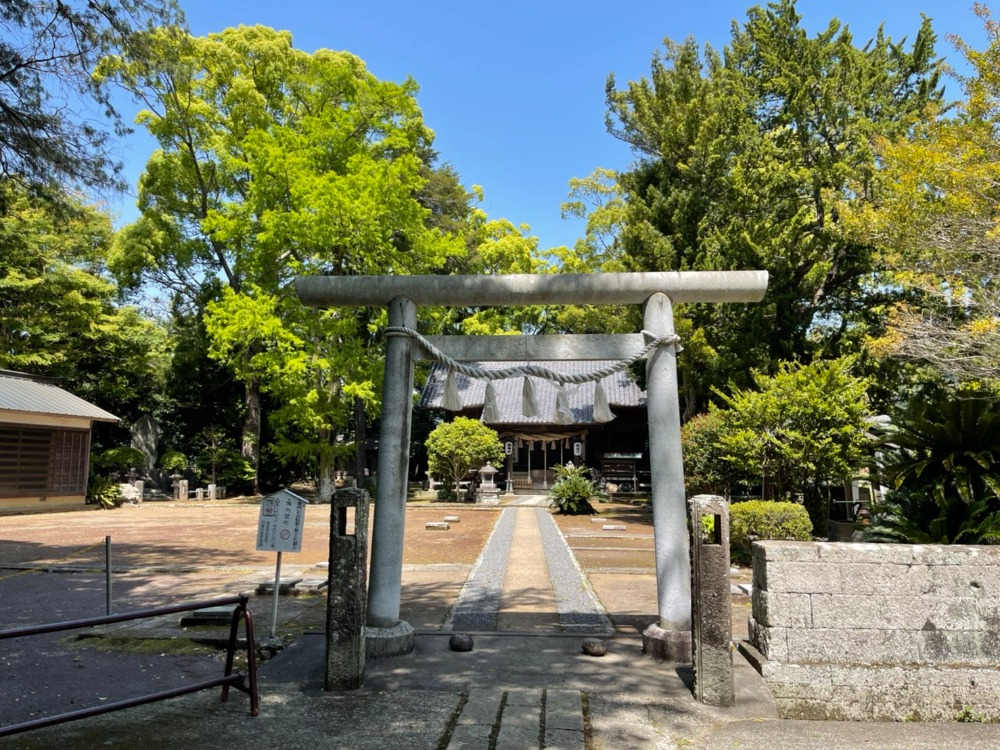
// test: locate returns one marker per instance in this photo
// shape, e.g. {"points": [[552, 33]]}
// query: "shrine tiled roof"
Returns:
{"points": [[620, 389]]}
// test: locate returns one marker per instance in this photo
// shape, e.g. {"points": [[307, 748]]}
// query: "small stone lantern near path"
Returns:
{"points": [[487, 493]]}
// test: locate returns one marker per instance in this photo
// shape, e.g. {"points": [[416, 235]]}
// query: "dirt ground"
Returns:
{"points": [[52, 570]]}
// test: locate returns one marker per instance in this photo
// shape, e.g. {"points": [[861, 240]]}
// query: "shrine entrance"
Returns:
{"points": [[670, 637]]}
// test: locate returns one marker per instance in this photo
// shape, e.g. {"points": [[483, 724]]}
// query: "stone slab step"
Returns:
{"points": [[520, 720]]}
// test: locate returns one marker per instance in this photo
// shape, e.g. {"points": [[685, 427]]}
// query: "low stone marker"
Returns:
{"points": [[209, 616], [285, 586], [452, 519], [310, 586], [438, 525], [613, 527]]}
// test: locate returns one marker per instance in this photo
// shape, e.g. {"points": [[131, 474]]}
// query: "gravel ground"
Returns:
{"points": [[479, 602], [578, 607], [478, 605]]}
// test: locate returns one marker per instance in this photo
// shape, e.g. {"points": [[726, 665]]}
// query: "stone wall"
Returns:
{"points": [[878, 632]]}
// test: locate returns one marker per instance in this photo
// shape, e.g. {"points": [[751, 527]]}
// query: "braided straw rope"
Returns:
{"points": [[520, 371]]}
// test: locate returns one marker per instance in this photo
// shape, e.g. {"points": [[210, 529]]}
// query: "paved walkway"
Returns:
{"points": [[527, 579]]}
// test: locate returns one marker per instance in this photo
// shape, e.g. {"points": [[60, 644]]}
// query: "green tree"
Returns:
{"points": [[800, 431], [706, 469], [455, 448], [744, 161], [936, 219], [948, 445], [47, 53], [273, 163], [59, 311]]}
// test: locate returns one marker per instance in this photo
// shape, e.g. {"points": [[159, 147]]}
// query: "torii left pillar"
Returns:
{"points": [[387, 635]]}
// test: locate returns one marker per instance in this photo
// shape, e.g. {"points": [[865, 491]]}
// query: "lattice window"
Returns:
{"points": [[43, 461]]}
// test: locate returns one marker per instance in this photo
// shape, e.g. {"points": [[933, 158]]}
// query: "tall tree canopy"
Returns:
{"points": [[59, 311], [937, 218], [273, 163], [49, 132], [744, 159]]}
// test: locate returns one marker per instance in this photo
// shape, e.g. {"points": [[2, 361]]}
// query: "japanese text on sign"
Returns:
{"points": [[279, 528]]}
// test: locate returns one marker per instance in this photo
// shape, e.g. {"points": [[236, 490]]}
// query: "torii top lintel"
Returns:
{"points": [[529, 289]]}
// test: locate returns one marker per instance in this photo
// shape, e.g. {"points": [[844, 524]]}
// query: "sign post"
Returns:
{"points": [[279, 529]]}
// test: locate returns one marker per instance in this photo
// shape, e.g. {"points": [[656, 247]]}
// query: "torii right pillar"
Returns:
{"points": [[668, 639]]}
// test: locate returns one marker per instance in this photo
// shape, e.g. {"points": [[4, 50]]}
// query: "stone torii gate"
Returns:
{"points": [[670, 637]]}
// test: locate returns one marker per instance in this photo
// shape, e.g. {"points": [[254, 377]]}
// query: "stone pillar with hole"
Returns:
{"points": [[346, 592], [712, 631]]}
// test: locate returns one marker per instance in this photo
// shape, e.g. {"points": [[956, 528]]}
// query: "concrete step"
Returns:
{"points": [[520, 720]]}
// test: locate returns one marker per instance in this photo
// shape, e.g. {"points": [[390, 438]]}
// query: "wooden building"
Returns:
{"points": [[44, 444], [616, 449]]}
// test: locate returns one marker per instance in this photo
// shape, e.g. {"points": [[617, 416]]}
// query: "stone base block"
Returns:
{"points": [[667, 645], [860, 693], [384, 643]]}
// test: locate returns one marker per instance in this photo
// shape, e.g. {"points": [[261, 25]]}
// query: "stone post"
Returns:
{"points": [[211, 492], [345, 603], [712, 630], [182, 489], [387, 635], [669, 639]]}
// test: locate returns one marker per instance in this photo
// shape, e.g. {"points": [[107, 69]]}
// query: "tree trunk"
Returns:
{"points": [[250, 449], [360, 439], [325, 484]]}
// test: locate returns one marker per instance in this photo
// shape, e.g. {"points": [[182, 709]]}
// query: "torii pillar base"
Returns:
{"points": [[667, 645], [384, 643]]}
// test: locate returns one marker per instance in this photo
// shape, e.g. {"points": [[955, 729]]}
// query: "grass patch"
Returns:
{"points": [[158, 646]]}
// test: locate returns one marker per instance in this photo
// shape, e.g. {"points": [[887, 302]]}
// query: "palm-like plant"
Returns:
{"points": [[573, 490], [916, 518], [944, 462], [951, 446]]}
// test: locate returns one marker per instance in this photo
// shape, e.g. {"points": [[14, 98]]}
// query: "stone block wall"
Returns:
{"points": [[878, 632]]}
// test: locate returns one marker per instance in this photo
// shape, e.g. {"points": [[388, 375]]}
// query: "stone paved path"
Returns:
{"points": [[520, 719], [527, 580]]}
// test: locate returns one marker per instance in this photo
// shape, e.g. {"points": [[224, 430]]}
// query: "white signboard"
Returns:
{"points": [[282, 518]]}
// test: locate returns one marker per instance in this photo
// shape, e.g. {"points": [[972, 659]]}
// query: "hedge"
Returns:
{"points": [[765, 519]]}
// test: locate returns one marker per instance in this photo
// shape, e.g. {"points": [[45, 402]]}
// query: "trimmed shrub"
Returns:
{"points": [[755, 520], [119, 460], [173, 461]]}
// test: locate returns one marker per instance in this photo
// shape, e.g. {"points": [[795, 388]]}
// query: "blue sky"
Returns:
{"points": [[514, 90]]}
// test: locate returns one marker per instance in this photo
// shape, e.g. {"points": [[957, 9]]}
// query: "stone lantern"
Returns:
{"points": [[487, 493]]}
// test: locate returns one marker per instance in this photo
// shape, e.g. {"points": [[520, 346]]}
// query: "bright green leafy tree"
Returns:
{"points": [[798, 432], [936, 219], [59, 312], [273, 163], [455, 448]]}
